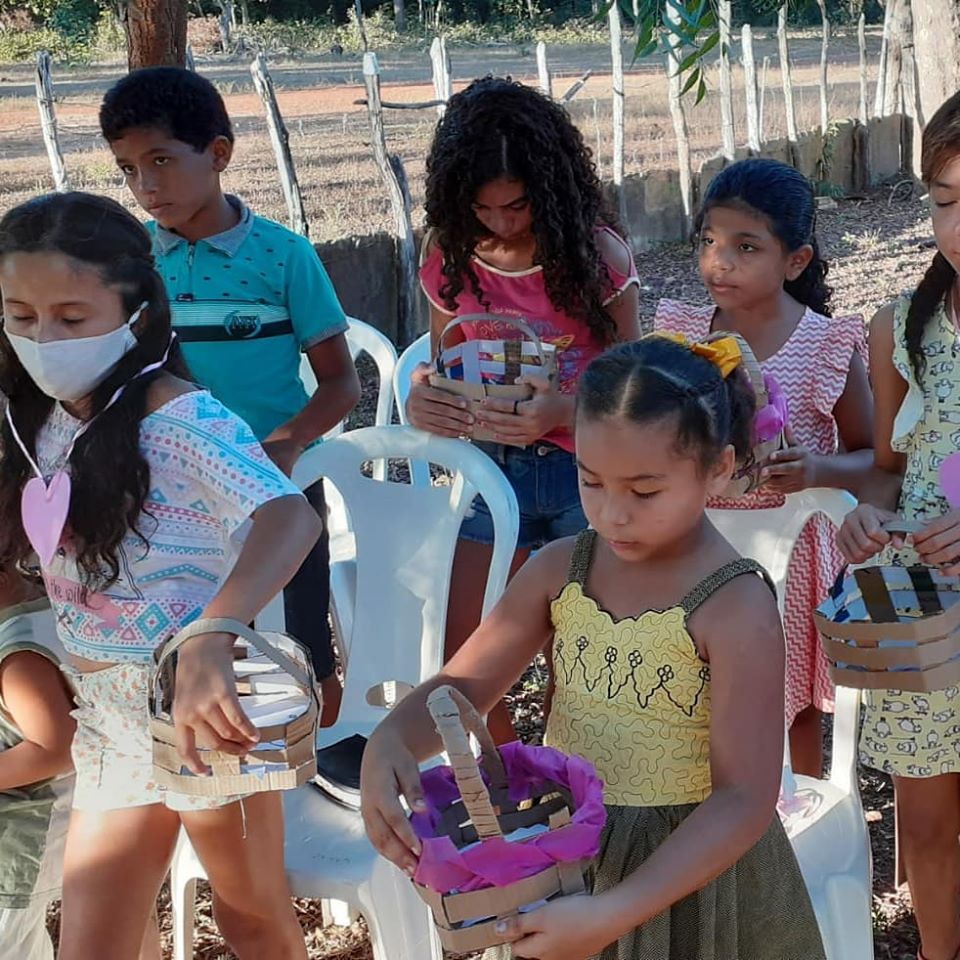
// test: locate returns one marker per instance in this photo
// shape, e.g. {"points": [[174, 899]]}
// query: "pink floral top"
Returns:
{"points": [[523, 294]]}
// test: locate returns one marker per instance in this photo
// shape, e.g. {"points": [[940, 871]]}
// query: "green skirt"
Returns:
{"points": [[758, 909]]}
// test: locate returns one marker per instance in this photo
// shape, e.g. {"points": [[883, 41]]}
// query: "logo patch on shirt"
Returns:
{"points": [[242, 326]]}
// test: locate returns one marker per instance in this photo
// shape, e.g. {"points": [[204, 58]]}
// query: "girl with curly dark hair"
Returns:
{"points": [[149, 505], [914, 365], [518, 227], [760, 261]]}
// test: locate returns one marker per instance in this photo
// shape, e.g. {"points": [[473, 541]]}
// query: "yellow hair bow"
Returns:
{"points": [[724, 352]]}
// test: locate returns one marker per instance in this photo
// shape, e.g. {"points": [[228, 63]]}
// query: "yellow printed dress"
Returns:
{"points": [[918, 734], [633, 697]]}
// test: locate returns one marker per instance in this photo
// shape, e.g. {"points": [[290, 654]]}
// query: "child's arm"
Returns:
{"points": [[796, 468], [337, 393], [862, 535], [33, 690], [746, 653], [206, 707], [484, 669]]}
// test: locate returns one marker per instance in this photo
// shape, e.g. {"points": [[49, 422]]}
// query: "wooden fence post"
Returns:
{"points": [[190, 62], [785, 74], [750, 77], [545, 81], [726, 85], [862, 45], [440, 65], [48, 121], [824, 53], [763, 98], [280, 140], [881, 93], [399, 202], [679, 118], [616, 56]]}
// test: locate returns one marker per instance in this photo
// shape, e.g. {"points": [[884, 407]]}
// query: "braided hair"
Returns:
{"points": [[498, 128], [941, 144], [784, 198], [653, 378], [110, 478]]}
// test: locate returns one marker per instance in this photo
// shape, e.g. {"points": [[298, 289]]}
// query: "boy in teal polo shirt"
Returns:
{"points": [[247, 297]]}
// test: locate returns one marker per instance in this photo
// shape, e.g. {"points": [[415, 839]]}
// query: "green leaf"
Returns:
{"points": [[695, 75]]}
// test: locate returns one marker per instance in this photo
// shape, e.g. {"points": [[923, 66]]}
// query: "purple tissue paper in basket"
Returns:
{"points": [[498, 862], [769, 421]]}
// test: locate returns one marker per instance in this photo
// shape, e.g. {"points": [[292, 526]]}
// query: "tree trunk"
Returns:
{"points": [[399, 16], [936, 30], [156, 33]]}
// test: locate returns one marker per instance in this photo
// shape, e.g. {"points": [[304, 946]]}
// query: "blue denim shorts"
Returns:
{"points": [[544, 478]]}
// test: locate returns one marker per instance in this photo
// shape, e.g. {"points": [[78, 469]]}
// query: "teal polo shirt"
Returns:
{"points": [[245, 304]]}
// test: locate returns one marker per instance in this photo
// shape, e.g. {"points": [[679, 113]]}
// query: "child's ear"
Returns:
{"points": [[221, 149], [721, 471], [798, 261]]}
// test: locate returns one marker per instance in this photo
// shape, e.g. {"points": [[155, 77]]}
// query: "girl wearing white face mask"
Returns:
{"points": [[134, 488]]}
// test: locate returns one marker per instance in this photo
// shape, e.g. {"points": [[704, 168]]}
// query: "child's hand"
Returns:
{"points": [[938, 543], [572, 928], [790, 470], [436, 411], [862, 535], [284, 452], [388, 772], [206, 709], [523, 422]]}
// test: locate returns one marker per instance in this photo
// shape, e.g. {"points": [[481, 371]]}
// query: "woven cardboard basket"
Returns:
{"points": [[746, 479], [467, 921], [274, 674], [893, 628], [514, 368]]}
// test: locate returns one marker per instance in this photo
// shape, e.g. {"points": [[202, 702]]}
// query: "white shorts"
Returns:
{"points": [[112, 750]]}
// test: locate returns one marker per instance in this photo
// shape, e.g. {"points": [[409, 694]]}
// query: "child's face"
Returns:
{"points": [[742, 262], [638, 491], [503, 208], [49, 296], [171, 181], [945, 206]]}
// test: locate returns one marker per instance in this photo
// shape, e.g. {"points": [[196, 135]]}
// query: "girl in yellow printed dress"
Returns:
{"points": [[657, 628], [915, 366], [760, 260]]}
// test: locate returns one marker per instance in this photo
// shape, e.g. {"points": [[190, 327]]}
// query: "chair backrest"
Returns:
{"points": [[769, 536], [417, 352], [363, 338], [405, 540]]}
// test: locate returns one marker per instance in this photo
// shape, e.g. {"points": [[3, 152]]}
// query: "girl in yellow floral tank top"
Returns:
{"points": [[915, 368], [668, 655]]}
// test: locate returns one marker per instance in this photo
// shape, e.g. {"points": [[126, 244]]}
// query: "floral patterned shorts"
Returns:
{"points": [[112, 750]]}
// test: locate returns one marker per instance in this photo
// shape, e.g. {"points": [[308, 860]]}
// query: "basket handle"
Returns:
{"points": [[455, 717], [521, 325], [238, 629], [750, 364]]}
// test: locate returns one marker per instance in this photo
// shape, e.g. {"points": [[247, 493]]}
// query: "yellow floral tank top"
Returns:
{"points": [[632, 695]]}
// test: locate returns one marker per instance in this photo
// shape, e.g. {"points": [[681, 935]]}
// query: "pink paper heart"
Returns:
{"points": [[44, 508], [950, 479]]}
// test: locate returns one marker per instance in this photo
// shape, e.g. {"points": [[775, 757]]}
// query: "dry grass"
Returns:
{"points": [[330, 138]]}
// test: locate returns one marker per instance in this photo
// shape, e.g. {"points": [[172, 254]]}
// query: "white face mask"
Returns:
{"points": [[72, 369]]}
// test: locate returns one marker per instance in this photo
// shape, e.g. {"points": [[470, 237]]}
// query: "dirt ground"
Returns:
{"points": [[329, 132]]}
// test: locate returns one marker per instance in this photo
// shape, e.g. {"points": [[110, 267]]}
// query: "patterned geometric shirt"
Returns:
{"points": [[208, 475]]}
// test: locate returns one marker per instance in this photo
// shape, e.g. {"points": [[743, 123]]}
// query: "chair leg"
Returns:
{"points": [[183, 896]]}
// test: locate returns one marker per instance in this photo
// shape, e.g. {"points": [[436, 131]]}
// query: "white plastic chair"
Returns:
{"points": [[361, 338], [417, 352], [828, 832], [406, 536]]}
